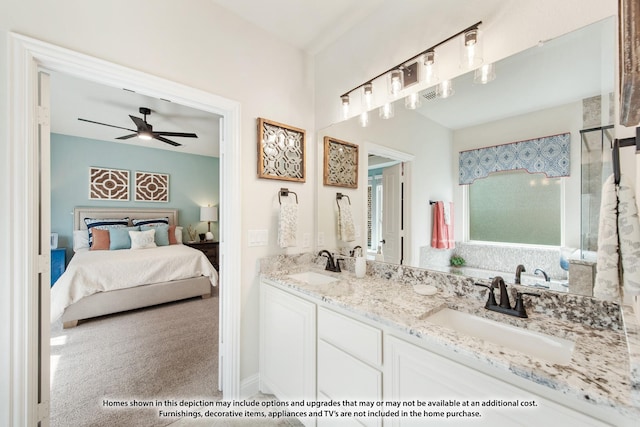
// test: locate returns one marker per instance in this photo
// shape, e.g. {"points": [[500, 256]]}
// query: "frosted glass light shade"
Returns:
{"points": [[412, 101], [395, 81], [444, 89], [430, 68], [471, 50], [386, 111], [367, 96], [364, 119], [484, 74]]}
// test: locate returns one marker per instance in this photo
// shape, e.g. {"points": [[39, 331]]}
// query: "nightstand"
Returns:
{"points": [[210, 249], [58, 260]]}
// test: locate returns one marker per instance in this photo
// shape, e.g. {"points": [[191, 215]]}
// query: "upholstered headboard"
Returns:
{"points": [[80, 213]]}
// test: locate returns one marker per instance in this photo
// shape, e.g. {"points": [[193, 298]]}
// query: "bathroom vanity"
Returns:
{"points": [[332, 337]]}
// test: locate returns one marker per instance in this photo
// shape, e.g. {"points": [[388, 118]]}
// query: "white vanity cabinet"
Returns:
{"points": [[287, 346], [349, 364], [415, 374]]}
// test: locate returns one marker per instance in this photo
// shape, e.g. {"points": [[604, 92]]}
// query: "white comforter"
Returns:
{"points": [[90, 272]]}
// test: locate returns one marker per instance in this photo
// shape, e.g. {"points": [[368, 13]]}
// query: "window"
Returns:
{"points": [[516, 207]]}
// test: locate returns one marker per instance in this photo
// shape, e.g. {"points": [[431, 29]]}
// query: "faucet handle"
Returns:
{"points": [[491, 300], [520, 303]]}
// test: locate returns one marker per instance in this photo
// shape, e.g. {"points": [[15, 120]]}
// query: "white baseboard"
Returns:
{"points": [[249, 387]]}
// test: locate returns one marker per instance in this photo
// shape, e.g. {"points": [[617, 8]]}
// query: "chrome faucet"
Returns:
{"points": [[544, 274], [519, 270], [505, 305], [332, 265]]}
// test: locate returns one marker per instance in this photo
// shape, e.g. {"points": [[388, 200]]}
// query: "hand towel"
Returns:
{"points": [[288, 223], [629, 237], [607, 285], [346, 229], [442, 234]]}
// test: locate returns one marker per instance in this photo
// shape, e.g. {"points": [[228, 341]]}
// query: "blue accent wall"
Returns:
{"points": [[194, 181]]}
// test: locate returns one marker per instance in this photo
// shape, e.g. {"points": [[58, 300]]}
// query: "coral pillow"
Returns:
{"points": [[172, 235], [101, 240]]}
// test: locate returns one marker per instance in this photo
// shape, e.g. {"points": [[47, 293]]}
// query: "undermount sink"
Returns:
{"points": [[534, 344], [313, 278]]}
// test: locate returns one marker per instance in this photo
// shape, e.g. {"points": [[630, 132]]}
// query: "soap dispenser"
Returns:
{"points": [[379, 256]]}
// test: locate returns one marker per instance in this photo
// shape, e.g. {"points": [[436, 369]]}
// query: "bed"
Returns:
{"points": [[101, 282]]}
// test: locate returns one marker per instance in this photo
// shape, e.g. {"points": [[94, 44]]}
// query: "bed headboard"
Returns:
{"points": [[80, 213]]}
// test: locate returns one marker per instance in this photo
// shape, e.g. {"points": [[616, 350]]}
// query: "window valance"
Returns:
{"points": [[548, 155]]}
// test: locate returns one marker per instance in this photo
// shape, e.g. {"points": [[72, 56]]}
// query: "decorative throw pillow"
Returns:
{"points": [[80, 240], [104, 224], [150, 221], [162, 233], [100, 240], [119, 238], [178, 235], [172, 235], [142, 239]]}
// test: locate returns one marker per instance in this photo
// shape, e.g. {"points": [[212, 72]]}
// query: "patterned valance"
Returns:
{"points": [[548, 155]]}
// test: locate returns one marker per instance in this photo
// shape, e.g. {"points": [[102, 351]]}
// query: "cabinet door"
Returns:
{"points": [[343, 377], [287, 346], [415, 374]]}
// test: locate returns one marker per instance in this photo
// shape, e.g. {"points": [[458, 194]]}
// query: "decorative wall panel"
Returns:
{"points": [[108, 184], [152, 187], [281, 151], [340, 163], [548, 155]]}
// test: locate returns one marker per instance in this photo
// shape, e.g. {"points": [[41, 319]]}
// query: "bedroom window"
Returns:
{"points": [[516, 207]]}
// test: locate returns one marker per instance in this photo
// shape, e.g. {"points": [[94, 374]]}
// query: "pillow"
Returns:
{"points": [[80, 240], [142, 239], [100, 240], [104, 224], [151, 221], [119, 238], [178, 235], [172, 235], [162, 233]]}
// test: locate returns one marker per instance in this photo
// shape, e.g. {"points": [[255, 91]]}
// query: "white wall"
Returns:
{"points": [[401, 30], [201, 45], [566, 118]]}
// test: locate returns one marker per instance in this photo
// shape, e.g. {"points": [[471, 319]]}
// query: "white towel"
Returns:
{"points": [[346, 229], [629, 236], [607, 284], [618, 223], [288, 223]]}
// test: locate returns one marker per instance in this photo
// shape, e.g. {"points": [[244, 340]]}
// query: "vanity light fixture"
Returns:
{"points": [[412, 101], [367, 96], [386, 111], [472, 57], [471, 50], [364, 119], [345, 106], [485, 74], [444, 89]]}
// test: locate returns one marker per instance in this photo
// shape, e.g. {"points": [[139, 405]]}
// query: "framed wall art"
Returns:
{"points": [[151, 187], [281, 151], [340, 163], [108, 184]]}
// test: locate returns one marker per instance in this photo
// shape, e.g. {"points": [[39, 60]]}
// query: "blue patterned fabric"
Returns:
{"points": [[548, 155]]}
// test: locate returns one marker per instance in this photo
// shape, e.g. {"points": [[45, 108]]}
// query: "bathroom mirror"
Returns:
{"points": [[562, 85]]}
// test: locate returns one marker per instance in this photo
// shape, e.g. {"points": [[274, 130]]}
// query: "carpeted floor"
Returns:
{"points": [[158, 353]]}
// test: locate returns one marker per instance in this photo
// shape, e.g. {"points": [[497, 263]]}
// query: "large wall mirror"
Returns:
{"points": [[564, 85]]}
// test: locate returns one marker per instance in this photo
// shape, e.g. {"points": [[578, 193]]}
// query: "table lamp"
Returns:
{"points": [[208, 214]]}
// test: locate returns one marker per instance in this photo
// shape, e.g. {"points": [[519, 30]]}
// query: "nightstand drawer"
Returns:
{"points": [[209, 249]]}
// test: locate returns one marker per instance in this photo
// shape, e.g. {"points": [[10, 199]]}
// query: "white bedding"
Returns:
{"points": [[90, 272]]}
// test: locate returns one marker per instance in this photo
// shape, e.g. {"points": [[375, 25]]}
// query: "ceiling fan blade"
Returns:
{"points": [[104, 124], [141, 124], [182, 134], [127, 136], [168, 141]]}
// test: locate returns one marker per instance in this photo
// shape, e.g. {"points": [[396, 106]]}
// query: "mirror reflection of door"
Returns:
{"points": [[384, 209]]}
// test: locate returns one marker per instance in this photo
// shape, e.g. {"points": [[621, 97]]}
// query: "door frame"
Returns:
{"points": [[406, 158], [26, 57]]}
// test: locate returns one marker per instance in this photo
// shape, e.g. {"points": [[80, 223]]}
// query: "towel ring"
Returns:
{"points": [[285, 192], [339, 196]]}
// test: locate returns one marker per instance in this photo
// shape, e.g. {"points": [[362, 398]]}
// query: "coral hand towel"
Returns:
{"points": [[442, 234]]}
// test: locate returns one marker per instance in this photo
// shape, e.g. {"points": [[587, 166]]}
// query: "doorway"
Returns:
{"points": [[29, 258]]}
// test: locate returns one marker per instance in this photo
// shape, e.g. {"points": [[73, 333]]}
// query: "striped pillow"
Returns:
{"points": [[104, 224], [151, 221]]}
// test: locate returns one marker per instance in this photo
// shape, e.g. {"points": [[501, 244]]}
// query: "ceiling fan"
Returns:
{"points": [[145, 130]]}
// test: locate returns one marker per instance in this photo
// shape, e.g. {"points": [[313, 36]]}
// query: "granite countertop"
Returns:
{"points": [[599, 371]]}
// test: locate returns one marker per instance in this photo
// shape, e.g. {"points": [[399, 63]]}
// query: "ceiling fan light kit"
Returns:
{"points": [[145, 131]]}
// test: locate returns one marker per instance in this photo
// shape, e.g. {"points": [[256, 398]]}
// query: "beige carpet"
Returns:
{"points": [[164, 352]]}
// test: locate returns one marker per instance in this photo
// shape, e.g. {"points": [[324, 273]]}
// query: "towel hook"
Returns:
{"points": [[339, 196], [285, 192]]}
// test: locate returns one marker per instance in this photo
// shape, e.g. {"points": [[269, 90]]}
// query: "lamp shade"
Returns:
{"points": [[208, 213]]}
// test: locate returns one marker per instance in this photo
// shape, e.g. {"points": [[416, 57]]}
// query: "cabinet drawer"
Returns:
{"points": [[354, 337]]}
